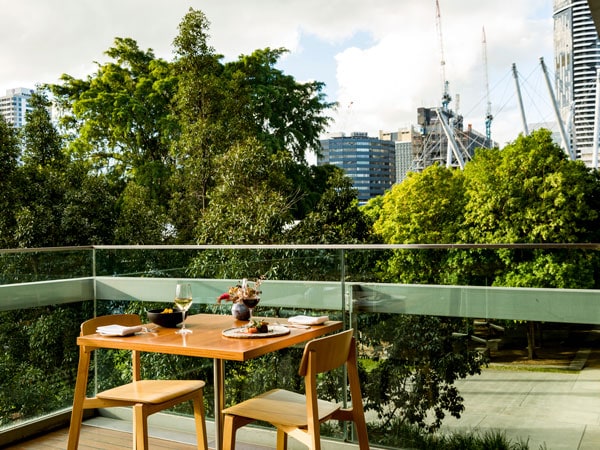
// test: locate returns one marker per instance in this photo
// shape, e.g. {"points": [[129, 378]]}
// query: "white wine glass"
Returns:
{"points": [[183, 301]]}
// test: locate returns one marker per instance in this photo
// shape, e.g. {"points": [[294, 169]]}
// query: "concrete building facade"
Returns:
{"points": [[14, 106]]}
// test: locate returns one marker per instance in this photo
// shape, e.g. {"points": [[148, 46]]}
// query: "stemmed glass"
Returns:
{"points": [[251, 303], [183, 301], [250, 296]]}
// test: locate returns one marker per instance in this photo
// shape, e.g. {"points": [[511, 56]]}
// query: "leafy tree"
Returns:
{"points": [[413, 380], [248, 206], [121, 118], [90, 207], [9, 182], [274, 107], [426, 208], [336, 218], [141, 219], [529, 192], [204, 136], [43, 178]]}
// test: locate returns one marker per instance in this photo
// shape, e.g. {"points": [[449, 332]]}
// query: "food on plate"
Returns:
{"points": [[257, 326]]}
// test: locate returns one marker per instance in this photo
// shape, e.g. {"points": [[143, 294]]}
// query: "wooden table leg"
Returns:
{"points": [[219, 398]]}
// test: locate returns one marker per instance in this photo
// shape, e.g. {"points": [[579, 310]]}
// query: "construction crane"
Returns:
{"points": [[488, 111], [446, 99]]}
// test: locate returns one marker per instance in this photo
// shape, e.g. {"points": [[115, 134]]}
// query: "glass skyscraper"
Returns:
{"points": [[369, 161], [577, 59]]}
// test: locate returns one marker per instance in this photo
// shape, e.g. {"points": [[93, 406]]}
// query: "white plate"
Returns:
{"points": [[242, 332]]}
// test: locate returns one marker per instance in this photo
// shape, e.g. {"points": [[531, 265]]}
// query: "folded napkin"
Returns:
{"points": [[118, 330], [308, 320]]}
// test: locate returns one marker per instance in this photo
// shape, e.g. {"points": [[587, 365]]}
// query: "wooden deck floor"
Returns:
{"points": [[94, 438]]}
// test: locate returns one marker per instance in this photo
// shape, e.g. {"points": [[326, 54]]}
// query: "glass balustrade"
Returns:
{"points": [[46, 293]]}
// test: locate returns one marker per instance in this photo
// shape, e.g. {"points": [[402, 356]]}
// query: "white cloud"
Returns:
{"points": [[386, 78]]}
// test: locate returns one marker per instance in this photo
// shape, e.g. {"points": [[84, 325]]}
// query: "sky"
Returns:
{"points": [[380, 60]]}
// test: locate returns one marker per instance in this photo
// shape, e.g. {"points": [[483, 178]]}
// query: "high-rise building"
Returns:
{"points": [[577, 59], [14, 105], [403, 139], [369, 161]]}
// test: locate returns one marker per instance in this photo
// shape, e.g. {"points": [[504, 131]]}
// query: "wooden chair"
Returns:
{"points": [[145, 396], [300, 415]]}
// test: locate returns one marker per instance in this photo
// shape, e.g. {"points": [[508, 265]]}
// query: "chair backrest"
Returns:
{"points": [[126, 320], [332, 352]]}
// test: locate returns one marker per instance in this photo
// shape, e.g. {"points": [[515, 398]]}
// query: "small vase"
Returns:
{"points": [[240, 311]]}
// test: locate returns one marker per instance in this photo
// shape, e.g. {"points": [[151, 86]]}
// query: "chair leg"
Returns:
{"points": [[228, 432], [140, 427], [282, 439], [361, 433], [199, 418], [78, 399]]}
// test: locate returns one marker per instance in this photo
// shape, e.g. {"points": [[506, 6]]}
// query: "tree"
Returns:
{"points": [[141, 219], [248, 204], [9, 182], [204, 136], [414, 381], [121, 117], [274, 107], [42, 142], [426, 208], [529, 192], [43, 177], [336, 217]]}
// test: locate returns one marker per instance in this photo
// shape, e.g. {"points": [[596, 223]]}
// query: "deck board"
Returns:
{"points": [[94, 438]]}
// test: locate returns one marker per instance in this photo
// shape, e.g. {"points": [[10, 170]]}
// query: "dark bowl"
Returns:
{"points": [[167, 320]]}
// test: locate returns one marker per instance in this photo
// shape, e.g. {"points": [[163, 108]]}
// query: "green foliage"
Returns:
{"points": [[248, 205], [38, 365], [410, 436], [9, 181], [418, 362], [336, 217], [141, 220], [120, 117], [527, 192]]}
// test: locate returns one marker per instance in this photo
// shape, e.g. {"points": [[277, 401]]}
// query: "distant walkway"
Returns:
{"points": [[552, 411]]}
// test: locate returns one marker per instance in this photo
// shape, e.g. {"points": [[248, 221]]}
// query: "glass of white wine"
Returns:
{"points": [[183, 301]]}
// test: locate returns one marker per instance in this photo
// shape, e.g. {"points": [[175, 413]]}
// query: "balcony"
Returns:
{"points": [[45, 293]]}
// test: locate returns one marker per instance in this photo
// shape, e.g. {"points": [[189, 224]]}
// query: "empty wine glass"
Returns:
{"points": [[183, 301]]}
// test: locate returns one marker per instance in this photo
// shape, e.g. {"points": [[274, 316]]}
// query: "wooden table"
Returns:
{"points": [[207, 341]]}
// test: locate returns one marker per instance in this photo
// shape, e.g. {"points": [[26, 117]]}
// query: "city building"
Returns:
{"points": [[403, 139], [442, 139], [368, 161], [576, 58], [14, 105]]}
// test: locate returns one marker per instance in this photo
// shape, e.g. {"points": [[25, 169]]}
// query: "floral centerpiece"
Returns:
{"points": [[244, 296], [241, 291]]}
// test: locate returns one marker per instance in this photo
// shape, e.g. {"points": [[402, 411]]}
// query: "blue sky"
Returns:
{"points": [[380, 59]]}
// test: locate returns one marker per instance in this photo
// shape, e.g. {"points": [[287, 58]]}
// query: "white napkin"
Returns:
{"points": [[118, 330], [308, 320]]}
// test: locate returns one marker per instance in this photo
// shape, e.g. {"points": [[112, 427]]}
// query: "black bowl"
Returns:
{"points": [[167, 320]]}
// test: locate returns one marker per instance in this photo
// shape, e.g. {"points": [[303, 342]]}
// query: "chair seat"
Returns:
{"points": [[151, 391], [281, 407]]}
